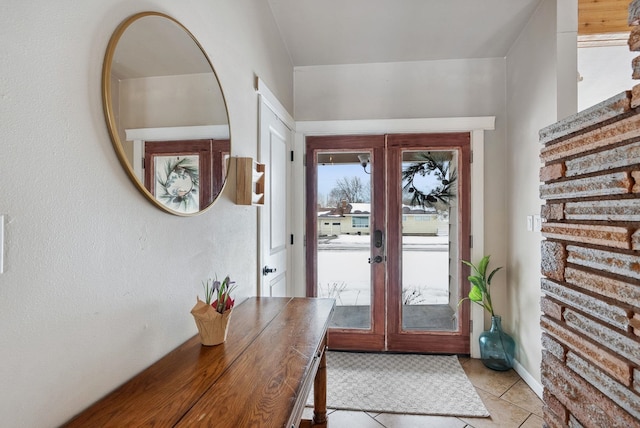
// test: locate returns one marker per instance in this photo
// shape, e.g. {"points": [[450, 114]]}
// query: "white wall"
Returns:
{"points": [[98, 283], [536, 93], [186, 100], [450, 88], [605, 72]]}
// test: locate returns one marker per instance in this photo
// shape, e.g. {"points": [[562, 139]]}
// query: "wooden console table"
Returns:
{"points": [[260, 377]]}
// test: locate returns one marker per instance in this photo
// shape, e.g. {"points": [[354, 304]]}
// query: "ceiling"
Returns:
{"points": [[325, 32]]}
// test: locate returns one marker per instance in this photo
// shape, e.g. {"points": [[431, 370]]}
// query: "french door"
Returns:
{"points": [[387, 224]]}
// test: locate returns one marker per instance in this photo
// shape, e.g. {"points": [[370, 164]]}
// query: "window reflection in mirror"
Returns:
{"points": [[159, 88]]}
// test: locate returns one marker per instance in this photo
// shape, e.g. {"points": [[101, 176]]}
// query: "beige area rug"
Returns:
{"points": [[400, 383]]}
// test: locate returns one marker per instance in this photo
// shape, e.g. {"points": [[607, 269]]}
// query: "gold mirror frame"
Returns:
{"points": [[115, 131]]}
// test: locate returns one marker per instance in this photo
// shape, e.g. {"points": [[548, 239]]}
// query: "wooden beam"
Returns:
{"points": [[602, 16]]}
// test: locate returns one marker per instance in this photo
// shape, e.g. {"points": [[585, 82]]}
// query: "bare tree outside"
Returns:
{"points": [[351, 189]]}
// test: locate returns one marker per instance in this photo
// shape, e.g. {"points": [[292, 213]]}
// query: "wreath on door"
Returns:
{"points": [[179, 185], [437, 165]]}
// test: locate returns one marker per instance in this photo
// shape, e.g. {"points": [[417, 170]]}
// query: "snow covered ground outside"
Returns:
{"points": [[344, 272]]}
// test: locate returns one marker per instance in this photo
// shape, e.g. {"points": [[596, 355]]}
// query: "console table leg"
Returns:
{"points": [[320, 393]]}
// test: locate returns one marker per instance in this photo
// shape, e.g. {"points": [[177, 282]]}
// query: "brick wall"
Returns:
{"points": [[591, 267]]}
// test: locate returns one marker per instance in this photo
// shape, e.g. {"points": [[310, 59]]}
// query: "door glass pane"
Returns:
{"points": [[344, 218], [429, 231]]}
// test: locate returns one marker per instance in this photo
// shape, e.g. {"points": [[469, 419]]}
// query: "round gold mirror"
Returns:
{"points": [[166, 113]]}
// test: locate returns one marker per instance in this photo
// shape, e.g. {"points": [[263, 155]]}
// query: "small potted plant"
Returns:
{"points": [[496, 347], [212, 318]]}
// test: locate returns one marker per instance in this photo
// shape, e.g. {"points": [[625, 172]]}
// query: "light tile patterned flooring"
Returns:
{"points": [[509, 400]]}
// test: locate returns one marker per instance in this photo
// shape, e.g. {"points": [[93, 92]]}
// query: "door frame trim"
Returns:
{"points": [[270, 99], [475, 125], [267, 99]]}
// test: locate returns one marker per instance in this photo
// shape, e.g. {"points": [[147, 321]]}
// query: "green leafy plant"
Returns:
{"points": [[480, 292], [221, 291]]}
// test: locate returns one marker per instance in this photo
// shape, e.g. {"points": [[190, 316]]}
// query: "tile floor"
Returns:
{"points": [[509, 400]]}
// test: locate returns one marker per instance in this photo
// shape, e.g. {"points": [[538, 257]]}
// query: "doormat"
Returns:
{"points": [[400, 383]]}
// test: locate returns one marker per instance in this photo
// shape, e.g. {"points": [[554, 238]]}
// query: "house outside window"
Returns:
{"points": [[360, 222]]}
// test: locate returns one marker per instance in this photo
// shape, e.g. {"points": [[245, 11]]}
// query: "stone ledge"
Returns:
{"points": [[616, 289], [574, 392], [606, 261], [555, 406], [606, 185], [608, 236], [612, 364], [554, 347], [601, 210], [604, 311], [618, 343], [551, 420], [598, 139], [627, 399], [601, 112], [618, 157]]}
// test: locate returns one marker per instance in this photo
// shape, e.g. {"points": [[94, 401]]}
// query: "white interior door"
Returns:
{"points": [[275, 143]]}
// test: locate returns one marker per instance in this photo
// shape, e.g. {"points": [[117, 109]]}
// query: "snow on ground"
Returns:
{"points": [[344, 272]]}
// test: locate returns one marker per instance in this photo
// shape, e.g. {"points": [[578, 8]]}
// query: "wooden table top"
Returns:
{"points": [[253, 379]]}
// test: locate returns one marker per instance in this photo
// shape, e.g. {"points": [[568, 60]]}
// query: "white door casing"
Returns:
{"points": [[273, 219]]}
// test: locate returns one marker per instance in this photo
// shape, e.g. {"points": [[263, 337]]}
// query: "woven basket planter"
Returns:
{"points": [[212, 325]]}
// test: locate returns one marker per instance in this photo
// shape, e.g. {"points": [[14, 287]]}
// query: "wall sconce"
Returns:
{"points": [[364, 161]]}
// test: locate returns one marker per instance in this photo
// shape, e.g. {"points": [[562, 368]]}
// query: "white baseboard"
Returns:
{"points": [[529, 380]]}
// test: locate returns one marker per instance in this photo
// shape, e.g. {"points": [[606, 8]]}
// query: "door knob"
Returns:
{"points": [[267, 270], [376, 259]]}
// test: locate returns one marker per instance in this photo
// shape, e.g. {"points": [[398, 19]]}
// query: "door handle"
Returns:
{"points": [[267, 270], [376, 259]]}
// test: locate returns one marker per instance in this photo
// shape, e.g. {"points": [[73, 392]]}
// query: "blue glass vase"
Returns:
{"points": [[497, 348]]}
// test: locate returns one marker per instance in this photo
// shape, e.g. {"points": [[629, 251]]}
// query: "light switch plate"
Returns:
{"points": [[529, 223], [537, 223]]}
